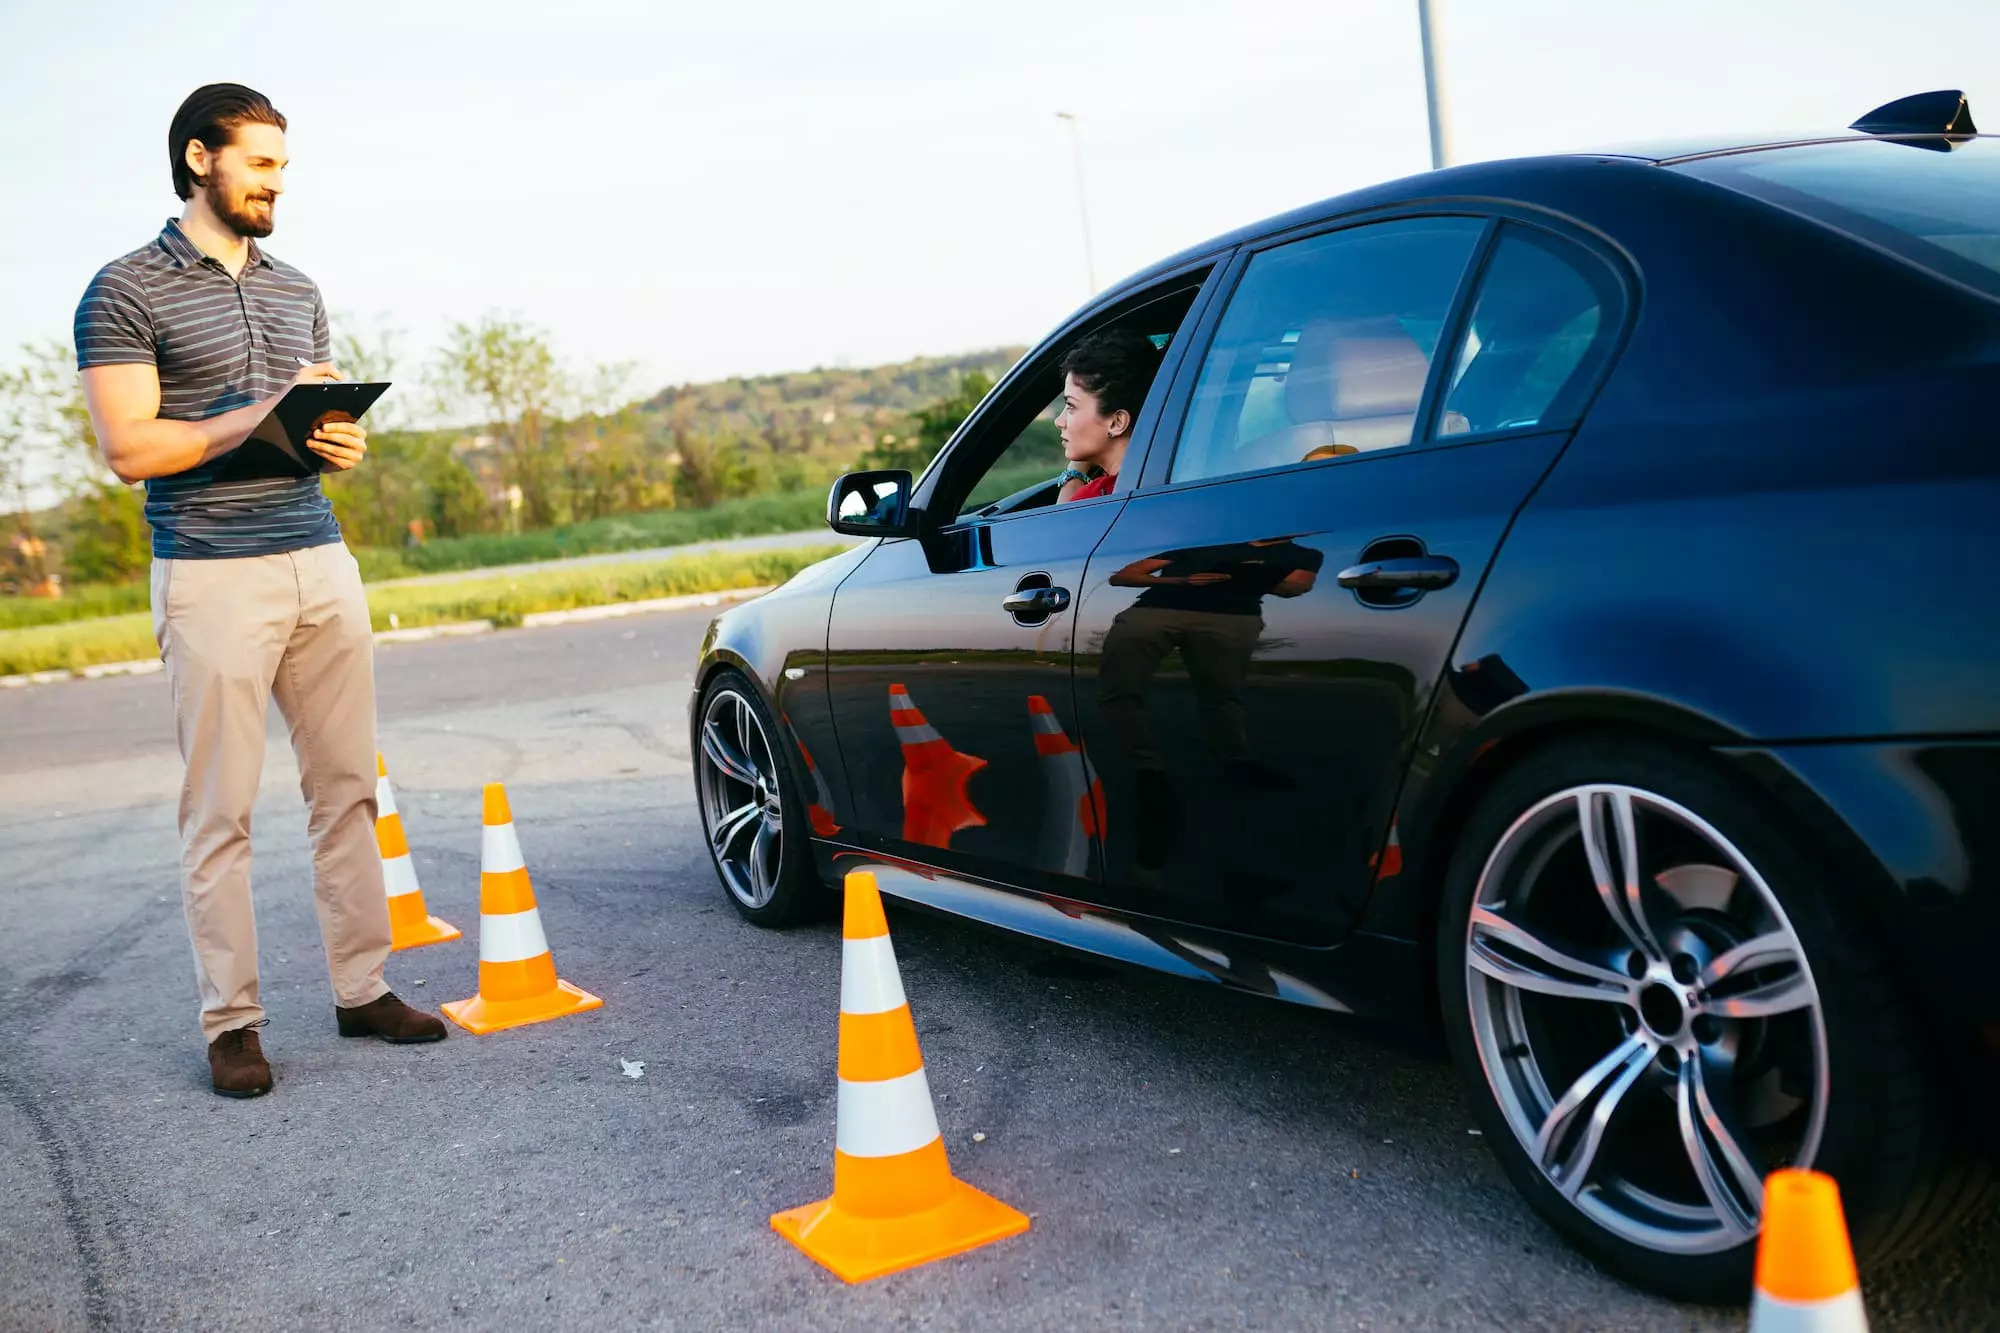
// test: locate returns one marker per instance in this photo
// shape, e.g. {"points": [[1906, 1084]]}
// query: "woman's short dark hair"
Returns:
{"points": [[211, 114], [1115, 366]]}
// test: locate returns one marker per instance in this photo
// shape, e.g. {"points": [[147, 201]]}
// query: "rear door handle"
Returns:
{"points": [[1036, 601], [1417, 573]]}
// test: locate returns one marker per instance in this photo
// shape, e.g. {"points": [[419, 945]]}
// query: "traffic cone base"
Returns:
{"points": [[480, 1015], [1843, 1314], [517, 973], [858, 1248], [412, 927]]}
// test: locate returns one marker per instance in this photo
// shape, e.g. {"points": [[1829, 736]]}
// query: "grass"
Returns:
{"points": [[503, 599], [798, 511], [795, 511], [88, 601]]}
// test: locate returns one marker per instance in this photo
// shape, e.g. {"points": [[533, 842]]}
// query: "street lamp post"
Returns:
{"points": [[1428, 26], [1082, 207]]}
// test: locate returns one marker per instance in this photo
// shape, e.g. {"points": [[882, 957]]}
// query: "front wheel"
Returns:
{"points": [[751, 811], [1655, 998]]}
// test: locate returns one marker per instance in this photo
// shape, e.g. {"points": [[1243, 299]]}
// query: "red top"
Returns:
{"points": [[1090, 490]]}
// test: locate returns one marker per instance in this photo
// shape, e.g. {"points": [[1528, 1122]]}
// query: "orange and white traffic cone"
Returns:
{"points": [[1073, 798], [935, 802], [1806, 1281], [517, 973], [895, 1201], [411, 925]]}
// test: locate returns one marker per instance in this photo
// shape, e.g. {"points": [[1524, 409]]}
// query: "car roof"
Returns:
{"points": [[1666, 152], [1476, 184], [1909, 119]]}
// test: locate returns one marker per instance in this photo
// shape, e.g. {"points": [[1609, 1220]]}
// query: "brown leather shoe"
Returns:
{"points": [[236, 1064], [391, 1020]]}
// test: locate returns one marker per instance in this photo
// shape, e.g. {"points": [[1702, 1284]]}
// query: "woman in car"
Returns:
{"points": [[1105, 379]]}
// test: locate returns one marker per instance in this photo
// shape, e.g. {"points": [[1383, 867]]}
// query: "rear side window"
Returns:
{"points": [[1933, 201], [1544, 308], [1325, 347]]}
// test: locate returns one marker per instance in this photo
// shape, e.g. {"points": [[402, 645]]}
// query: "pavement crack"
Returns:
{"points": [[40, 998]]}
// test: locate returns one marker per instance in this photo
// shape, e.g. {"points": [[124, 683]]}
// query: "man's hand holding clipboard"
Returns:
{"points": [[317, 423]]}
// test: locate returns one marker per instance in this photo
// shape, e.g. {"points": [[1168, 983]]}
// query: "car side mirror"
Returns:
{"points": [[871, 504]]}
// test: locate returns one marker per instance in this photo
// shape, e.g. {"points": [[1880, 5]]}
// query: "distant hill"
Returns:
{"points": [[837, 410]]}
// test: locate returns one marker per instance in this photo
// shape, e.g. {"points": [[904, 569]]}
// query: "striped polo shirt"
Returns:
{"points": [[219, 343]]}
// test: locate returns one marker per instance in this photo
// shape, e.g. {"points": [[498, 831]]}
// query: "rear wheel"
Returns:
{"points": [[1656, 998], [751, 810]]}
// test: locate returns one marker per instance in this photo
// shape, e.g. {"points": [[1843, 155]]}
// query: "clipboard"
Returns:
{"points": [[277, 448]]}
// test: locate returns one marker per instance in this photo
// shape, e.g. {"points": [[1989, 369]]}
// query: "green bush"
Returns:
{"points": [[105, 539], [88, 601]]}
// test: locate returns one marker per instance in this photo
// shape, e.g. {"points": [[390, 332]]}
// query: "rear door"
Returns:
{"points": [[1261, 630], [955, 714]]}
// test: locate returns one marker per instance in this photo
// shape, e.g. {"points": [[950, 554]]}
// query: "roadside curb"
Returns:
{"points": [[613, 610], [419, 633]]}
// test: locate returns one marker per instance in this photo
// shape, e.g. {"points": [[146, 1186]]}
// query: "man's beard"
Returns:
{"points": [[244, 218]]}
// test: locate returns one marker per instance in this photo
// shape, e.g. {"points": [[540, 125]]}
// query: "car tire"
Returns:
{"points": [[1524, 1045], [753, 817]]}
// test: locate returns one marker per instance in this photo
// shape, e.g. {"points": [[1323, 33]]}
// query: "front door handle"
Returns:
{"points": [[1036, 601], [1419, 573]]}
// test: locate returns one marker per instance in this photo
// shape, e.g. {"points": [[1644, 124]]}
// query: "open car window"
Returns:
{"points": [[1012, 459], [1031, 461]]}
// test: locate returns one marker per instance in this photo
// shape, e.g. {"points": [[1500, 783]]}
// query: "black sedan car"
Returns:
{"points": [[1552, 598]]}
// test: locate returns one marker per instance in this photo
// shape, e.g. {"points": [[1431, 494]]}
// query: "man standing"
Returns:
{"points": [[184, 345]]}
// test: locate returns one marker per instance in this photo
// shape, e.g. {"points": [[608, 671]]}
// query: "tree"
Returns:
{"points": [[712, 467], [604, 445], [105, 538], [373, 355], [930, 427], [47, 451], [503, 372]]}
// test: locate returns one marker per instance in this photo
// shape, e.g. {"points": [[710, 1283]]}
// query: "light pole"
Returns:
{"points": [[1082, 207], [1427, 24]]}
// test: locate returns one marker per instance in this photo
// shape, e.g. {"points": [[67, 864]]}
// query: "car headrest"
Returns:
{"points": [[1347, 369]]}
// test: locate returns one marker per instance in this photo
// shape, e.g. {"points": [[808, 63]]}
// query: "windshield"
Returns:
{"points": [[1933, 201]]}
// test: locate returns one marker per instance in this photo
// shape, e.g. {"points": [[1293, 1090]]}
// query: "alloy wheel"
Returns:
{"points": [[742, 803], [1645, 1016]]}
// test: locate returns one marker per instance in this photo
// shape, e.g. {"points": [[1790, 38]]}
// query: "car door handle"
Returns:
{"points": [[1036, 601], [1419, 573]]}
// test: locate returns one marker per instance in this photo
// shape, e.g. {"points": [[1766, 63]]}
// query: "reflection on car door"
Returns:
{"points": [[1249, 716], [944, 699], [949, 671]]}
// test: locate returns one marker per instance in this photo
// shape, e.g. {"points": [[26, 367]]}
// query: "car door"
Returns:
{"points": [[948, 655], [1262, 627]]}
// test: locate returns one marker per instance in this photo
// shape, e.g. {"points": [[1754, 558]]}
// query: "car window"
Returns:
{"points": [[1325, 347], [1933, 201], [1013, 458], [1542, 306], [1034, 457]]}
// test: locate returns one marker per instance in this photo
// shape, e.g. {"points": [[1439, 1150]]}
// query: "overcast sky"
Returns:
{"points": [[710, 189]]}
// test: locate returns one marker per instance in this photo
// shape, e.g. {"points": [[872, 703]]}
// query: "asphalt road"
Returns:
{"points": [[1190, 1159]]}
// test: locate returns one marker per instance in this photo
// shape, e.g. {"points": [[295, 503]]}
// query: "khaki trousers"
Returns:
{"points": [[234, 633]]}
